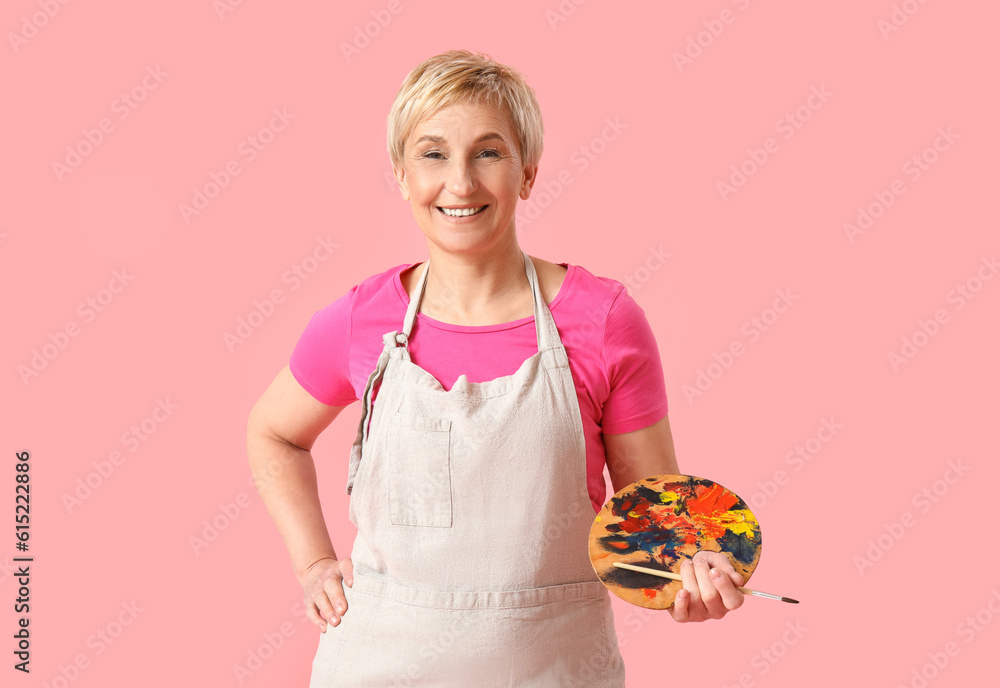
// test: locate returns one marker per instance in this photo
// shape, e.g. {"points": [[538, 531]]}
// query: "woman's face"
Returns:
{"points": [[464, 156]]}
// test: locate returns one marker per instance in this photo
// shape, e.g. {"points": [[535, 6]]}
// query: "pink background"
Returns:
{"points": [[653, 187]]}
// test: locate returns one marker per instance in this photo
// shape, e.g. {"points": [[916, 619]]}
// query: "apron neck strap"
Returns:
{"points": [[545, 327], [418, 296]]}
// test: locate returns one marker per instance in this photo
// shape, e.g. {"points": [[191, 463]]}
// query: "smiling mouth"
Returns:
{"points": [[462, 212]]}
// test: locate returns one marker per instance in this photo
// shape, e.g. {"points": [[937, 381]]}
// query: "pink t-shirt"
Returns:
{"points": [[612, 353]]}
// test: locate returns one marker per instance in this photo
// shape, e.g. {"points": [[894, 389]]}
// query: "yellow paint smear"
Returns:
{"points": [[741, 522]]}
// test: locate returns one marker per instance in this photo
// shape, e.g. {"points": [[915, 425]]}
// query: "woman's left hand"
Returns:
{"points": [[709, 591]]}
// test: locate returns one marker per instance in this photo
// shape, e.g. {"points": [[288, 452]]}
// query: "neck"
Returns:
{"points": [[468, 289]]}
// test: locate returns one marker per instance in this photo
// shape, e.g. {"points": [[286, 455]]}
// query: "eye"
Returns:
{"points": [[430, 154], [492, 151]]}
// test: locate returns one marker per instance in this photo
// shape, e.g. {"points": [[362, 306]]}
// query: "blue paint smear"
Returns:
{"points": [[740, 546]]}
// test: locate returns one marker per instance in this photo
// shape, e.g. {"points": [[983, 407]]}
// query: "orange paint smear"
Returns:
{"points": [[650, 593], [715, 526], [711, 501]]}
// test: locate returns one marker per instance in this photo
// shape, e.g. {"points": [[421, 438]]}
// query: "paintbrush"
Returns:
{"points": [[676, 577]]}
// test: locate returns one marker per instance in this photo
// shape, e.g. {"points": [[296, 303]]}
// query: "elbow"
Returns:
{"points": [[258, 434]]}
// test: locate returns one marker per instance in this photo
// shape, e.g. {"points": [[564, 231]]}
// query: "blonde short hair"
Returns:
{"points": [[461, 76]]}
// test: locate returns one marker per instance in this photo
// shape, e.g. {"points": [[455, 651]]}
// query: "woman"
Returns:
{"points": [[485, 428]]}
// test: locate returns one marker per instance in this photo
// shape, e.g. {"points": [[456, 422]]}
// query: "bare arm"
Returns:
{"points": [[281, 430], [710, 580], [636, 455]]}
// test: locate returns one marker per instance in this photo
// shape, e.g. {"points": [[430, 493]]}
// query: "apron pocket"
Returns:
{"points": [[420, 471]]}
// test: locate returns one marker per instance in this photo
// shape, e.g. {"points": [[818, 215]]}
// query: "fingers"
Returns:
{"points": [[731, 597], [718, 593], [324, 594], [335, 590], [321, 612], [313, 615], [709, 594], [336, 603], [723, 562], [688, 599], [725, 577], [680, 610], [328, 617], [347, 571], [709, 591]]}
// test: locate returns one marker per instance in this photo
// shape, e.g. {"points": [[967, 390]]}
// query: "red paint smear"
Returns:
{"points": [[711, 501], [619, 545], [684, 528], [650, 593], [630, 526]]}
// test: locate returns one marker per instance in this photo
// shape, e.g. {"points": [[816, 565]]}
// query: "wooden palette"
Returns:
{"points": [[659, 521]]}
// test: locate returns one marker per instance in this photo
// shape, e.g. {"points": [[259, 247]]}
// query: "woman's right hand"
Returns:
{"points": [[322, 583]]}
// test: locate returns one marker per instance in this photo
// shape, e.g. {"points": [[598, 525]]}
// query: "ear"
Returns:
{"points": [[400, 175], [530, 174]]}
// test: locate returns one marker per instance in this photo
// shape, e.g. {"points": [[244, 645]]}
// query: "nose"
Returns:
{"points": [[461, 179]]}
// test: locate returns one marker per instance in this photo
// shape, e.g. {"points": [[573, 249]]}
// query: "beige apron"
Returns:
{"points": [[470, 564]]}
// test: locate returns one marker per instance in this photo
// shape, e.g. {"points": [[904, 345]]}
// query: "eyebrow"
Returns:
{"points": [[440, 139]]}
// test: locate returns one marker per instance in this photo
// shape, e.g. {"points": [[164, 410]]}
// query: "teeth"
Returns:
{"points": [[463, 212]]}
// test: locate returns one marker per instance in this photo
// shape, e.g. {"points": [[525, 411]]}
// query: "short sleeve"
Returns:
{"points": [[637, 396], [321, 358]]}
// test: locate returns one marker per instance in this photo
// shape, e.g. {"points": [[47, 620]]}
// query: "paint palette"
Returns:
{"points": [[659, 521]]}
